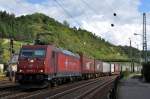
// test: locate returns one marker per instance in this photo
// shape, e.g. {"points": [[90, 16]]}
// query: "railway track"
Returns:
{"points": [[76, 90], [19, 94], [81, 91], [54, 90], [15, 92], [7, 86], [8, 90], [72, 91], [4, 84]]}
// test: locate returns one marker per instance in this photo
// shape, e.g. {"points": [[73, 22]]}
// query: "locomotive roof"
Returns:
{"points": [[34, 46], [67, 52], [56, 49]]}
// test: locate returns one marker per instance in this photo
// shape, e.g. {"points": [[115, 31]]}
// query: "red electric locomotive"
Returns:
{"points": [[44, 64]]}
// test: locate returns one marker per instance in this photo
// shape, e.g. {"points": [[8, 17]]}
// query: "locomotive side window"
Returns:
{"points": [[53, 61]]}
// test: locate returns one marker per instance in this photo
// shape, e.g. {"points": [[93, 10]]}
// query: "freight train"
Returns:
{"points": [[41, 65]]}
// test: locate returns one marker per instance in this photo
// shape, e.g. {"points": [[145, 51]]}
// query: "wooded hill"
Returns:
{"points": [[25, 28]]}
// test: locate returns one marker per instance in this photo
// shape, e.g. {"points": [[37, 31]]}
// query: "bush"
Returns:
{"points": [[146, 71], [125, 74]]}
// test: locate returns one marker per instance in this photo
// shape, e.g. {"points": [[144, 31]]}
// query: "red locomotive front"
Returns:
{"points": [[34, 63]]}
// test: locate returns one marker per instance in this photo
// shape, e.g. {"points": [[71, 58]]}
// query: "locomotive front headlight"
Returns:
{"points": [[20, 70], [31, 60], [41, 71]]}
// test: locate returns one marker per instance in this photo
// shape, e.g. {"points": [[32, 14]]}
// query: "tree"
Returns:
{"points": [[1, 50], [65, 23]]}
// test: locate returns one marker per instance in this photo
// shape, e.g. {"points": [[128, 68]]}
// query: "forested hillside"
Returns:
{"points": [[131, 51], [25, 28]]}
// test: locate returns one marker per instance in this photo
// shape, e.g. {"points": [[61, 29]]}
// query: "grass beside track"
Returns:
{"points": [[127, 75], [3, 77]]}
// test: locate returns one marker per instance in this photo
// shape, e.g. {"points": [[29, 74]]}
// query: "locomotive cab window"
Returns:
{"points": [[26, 53], [32, 53], [39, 53]]}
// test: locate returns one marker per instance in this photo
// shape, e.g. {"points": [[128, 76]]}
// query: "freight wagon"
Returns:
{"points": [[98, 68], [115, 69], [106, 69], [87, 67]]}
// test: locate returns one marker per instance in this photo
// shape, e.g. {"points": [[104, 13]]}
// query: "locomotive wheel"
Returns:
{"points": [[54, 83], [60, 81], [71, 79], [46, 84]]}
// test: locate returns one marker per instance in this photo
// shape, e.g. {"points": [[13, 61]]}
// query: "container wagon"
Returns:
{"points": [[87, 67], [106, 69], [98, 68]]}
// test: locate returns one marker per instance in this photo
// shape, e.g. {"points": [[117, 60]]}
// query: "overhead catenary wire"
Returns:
{"points": [[110, 6], [83, 12], [66, 11], [113, 12], [89, 6], [87, 14], [95, 12]]}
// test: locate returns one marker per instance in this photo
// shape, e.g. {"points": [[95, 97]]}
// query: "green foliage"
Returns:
{"points": [[1, 50], [125, 74], [4, 46], [25, 28], [65, 23], [135, 53], [146, 71]]}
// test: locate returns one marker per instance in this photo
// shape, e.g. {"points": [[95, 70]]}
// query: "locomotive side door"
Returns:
{"points": [[54, 61]]}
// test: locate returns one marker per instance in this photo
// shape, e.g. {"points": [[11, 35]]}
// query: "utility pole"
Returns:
{"points": [[11, 47], [130, 55], [144, 38]]}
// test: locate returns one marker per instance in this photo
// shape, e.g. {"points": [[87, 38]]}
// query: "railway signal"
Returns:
{"points": [[11, 46]]}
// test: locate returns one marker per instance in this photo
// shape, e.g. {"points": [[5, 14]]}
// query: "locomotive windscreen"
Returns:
{"points": [[26, 52]]}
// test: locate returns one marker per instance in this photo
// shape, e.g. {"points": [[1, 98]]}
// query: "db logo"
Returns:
{"points": [[88, 65], [66, 63]]}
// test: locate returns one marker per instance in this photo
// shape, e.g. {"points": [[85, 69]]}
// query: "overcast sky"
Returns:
{"points": [[93, 15]]}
